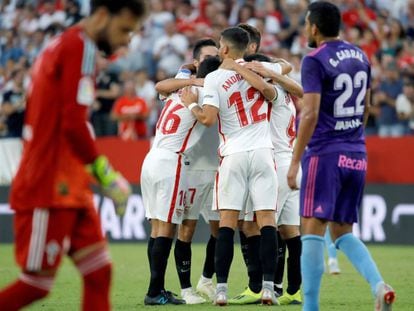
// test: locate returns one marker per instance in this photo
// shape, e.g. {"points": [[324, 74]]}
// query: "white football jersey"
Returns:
{"points": [[243, 112], [176, 127], [283, 126], [203, 155]]}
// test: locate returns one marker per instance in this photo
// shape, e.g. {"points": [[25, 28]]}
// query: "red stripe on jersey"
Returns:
{"points": [[277, 206], [220, 132], [217, 181], [175, 191], [310, 187], [307, 189], [313, 185], [185, 142]]}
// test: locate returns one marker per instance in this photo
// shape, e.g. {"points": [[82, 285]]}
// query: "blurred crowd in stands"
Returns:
{"points": [[126, 101]]}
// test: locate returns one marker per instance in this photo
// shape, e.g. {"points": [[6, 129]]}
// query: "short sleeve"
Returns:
{"points": [[312, 75], [211, 96], [183, 73], [275, 67]]}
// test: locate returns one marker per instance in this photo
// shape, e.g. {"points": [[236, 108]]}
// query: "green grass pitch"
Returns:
{"points": [[347, 291]]}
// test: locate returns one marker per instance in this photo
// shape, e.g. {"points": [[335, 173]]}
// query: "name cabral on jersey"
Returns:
{"points": [[346, 54]]}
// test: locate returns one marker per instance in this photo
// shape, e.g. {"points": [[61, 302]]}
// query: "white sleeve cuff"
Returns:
{"points": [[191, 106]]}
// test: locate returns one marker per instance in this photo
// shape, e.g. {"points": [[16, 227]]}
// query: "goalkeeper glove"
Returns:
{"points": [[113, 184]]}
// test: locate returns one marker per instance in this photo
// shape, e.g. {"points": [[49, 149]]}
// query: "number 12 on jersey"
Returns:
{"points": [[236, 99]]}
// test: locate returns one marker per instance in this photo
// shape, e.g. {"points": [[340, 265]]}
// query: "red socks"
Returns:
{"points": [[27, 289], [96, 271]]}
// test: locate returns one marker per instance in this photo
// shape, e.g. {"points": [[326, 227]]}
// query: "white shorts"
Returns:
{"points": [[199, 194], [241, 174], [163, 186], [288, 200]]}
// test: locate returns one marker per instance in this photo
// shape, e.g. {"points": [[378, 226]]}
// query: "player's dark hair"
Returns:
{"points": [[237, 37], [137, 7], [254, 34], [208, 65], [326, 16], [258, 57], [200, 44]]}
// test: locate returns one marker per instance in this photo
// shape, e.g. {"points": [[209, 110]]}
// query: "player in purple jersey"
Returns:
{"points": [[336, 82]]}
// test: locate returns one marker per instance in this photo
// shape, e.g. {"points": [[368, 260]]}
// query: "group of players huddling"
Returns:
{"points": [[230, 99], [252, 184]]}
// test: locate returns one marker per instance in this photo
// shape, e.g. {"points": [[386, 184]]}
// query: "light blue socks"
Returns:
{"points": [[361, 259], [330, 246], [312, 261]]}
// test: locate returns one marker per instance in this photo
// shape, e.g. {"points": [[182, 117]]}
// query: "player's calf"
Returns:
{"points": [[27, 289], [96, 271]]}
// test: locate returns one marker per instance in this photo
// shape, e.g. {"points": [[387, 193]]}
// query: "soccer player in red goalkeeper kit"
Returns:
{"points": [[54, 211]]}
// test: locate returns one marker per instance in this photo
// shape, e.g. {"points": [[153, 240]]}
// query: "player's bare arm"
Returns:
{"points": [[206, 115], [309, 118], [253, 79], [367, 106], [168, 86], [284, 81], [288, 84]]}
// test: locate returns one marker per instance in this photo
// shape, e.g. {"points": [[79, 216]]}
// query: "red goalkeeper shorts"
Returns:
{"points": [[43, 235]]}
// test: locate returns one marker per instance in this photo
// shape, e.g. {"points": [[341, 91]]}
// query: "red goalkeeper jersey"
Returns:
{"points": [[58, 141]]}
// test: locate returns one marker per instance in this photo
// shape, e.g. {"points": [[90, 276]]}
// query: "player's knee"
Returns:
{"points": [[214, 228], [166, 229], [265, 218], [250, 228], [186, 230], [185, 236], [338, 230], [288, 232]]}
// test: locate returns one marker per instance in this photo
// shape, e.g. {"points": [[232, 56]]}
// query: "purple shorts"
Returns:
{"points": [[332, 186]]}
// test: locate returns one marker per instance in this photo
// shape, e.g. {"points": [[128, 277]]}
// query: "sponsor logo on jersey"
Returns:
{"points": [[348, 124]]}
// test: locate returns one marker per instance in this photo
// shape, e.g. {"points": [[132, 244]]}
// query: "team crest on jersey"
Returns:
{"points": [[179, 212], [86, 91], [52, 250]]}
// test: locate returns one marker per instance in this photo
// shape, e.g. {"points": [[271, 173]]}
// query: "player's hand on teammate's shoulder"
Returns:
{"points": [[197, 81], [188, 96], [190, 67], [229, 64], [259, 68]]}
